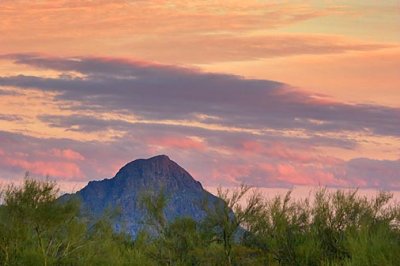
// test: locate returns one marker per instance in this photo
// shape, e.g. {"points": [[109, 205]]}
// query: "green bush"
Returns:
{"points": [[337, 228]]}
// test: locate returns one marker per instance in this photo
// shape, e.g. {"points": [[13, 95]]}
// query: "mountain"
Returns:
{"points": [[156, 174]]}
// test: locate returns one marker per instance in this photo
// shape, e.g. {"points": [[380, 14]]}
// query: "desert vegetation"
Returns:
{"points": [[337, 228]]}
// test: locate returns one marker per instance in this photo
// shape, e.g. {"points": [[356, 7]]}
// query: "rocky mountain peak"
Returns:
{"points": [[183, 192], [159, 163]]}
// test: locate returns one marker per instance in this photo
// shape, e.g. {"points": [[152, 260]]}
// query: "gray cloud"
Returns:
{"points": [[85, 123], [10, 117], [167, 92], [374, 173]]}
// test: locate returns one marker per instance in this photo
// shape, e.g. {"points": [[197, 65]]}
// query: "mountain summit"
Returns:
{"points": [[159, 173]]}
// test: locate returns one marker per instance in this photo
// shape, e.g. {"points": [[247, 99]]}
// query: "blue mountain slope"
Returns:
{"points": [[185, 195]]}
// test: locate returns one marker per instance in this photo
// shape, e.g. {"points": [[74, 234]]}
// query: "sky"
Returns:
{"points": [[274, 94]]}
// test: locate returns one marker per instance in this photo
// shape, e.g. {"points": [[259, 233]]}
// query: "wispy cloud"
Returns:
{"points": [[172, 31], [216, 48]]}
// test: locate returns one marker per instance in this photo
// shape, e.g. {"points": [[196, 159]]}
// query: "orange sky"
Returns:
{"points": [[327, 54]]}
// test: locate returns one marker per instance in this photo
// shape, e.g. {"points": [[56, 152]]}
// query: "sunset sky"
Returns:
{"points": [[270, 93]]}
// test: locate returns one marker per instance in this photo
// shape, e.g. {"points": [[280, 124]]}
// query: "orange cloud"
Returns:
{"points": [[36, 28], [234, 47]]}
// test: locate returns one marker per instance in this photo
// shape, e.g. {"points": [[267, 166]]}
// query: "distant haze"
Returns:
{"points": [[301, 193]]}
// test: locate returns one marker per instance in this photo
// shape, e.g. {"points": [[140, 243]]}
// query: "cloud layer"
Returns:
{"points": [[225, 129], [156, 92]]}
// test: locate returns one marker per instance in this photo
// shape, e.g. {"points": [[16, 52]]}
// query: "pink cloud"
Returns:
{"points": [[185, 143], [56, 163], [260, 170], [297, 174], [67, 154], [67, 170], [258, 163], [279, 150]]}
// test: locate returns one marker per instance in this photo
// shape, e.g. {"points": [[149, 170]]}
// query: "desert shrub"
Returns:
{"points": [[332, 228]]}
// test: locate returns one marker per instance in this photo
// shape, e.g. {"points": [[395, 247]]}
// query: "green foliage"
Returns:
{"points": [[154, 205], [38, 229], [225, 219], [34, 227], [339, 228]]}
